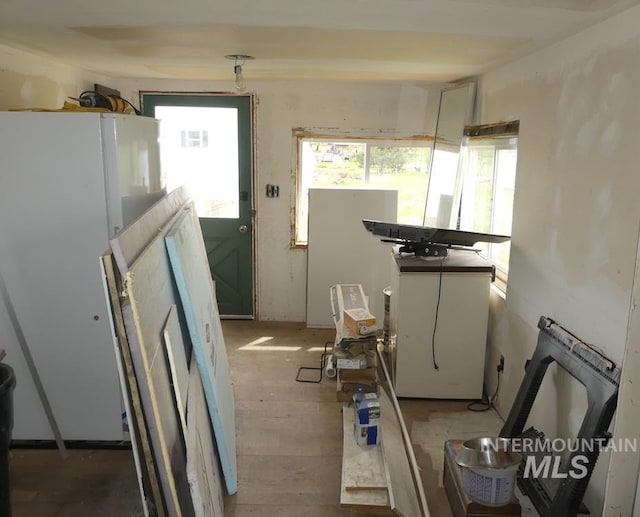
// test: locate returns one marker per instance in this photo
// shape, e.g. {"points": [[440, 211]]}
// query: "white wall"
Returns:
{"points": [[625, 467], [283, 106], [576, 212], [30, 81]]}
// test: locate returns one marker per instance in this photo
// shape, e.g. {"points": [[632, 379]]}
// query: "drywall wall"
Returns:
{"points": [[625, 467], [28, 81], [349, 108], [576, 214], [31, 81]]}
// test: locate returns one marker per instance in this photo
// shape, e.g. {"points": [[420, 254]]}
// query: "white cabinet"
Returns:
{"points": [[68, 181], [451, 297]]}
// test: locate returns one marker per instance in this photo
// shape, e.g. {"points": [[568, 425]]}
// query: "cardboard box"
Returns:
{"points": [[347, 297], [351, 363], [345, 360], [366, 426], [360, 321]]}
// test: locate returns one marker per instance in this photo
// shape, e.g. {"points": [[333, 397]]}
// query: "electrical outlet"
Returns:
{"points": [[500, 366], [273, 190]]}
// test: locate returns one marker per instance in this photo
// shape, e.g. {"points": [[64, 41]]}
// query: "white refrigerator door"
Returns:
{"points": [[53, 228], [132, 167]]}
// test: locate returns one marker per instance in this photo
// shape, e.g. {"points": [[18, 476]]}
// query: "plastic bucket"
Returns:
{"points": [[491, 487]]}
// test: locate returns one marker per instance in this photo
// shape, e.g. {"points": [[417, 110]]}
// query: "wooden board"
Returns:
{"points": [[363, 499], [387, 387], [193, 278], [150, 490], [401, 482], [176, 354], [362, 467], [151, 294], [387, 476], [130, 241], [203, 469]]}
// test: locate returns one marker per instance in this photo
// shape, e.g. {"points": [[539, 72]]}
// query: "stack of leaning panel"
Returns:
{"points": [[172, 361]]}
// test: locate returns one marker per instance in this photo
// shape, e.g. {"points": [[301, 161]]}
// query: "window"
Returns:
{"points": [[194, 138], [488, 175], [206, 159], [399, 164]]}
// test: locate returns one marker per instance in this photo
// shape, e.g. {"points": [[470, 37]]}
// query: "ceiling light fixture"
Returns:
{"points": [[239, 60]]}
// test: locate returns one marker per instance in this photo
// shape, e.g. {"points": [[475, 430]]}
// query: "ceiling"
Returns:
{"points": [[368, 40]]}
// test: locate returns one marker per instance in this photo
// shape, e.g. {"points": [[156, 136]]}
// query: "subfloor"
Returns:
{"points": [[289, 441]]}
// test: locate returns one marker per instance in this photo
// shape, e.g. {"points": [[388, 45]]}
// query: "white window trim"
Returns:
{"points": [[497, 139]]}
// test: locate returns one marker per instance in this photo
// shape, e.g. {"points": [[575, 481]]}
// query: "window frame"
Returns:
{"points": [[501, 136], [374, 137]]}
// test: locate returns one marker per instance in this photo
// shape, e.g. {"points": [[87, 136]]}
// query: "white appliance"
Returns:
{"points": [[438, 317], [68, 183]]}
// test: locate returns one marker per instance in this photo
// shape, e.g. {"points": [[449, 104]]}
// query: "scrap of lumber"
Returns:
{"points": [[147, 475], [362, 498], [130, 241], [203, 470], [401, 482], [405, 484], [387, 476], [127, 246], [177, 356], [362, 467], [150, 290]]}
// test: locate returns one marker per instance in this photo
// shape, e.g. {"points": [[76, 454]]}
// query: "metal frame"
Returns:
{"points": [[601, 379]]}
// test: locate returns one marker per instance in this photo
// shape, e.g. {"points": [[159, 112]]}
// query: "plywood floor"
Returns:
{"points": [[289, 439]]}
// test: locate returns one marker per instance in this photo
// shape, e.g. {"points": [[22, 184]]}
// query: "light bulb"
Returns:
{"points": [[240, 85], [239, 60]]}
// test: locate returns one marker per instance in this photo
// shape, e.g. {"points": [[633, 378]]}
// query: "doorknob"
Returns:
{"points": [[243, 228]]}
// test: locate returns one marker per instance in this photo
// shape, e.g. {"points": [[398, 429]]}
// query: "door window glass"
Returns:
{"points": [[193, 138]]}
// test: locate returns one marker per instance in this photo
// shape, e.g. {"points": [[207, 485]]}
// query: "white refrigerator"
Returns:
{"points": [[68, 183]]}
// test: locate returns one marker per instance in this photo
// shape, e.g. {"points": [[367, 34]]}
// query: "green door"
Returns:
{"points": [[205, 143]]}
